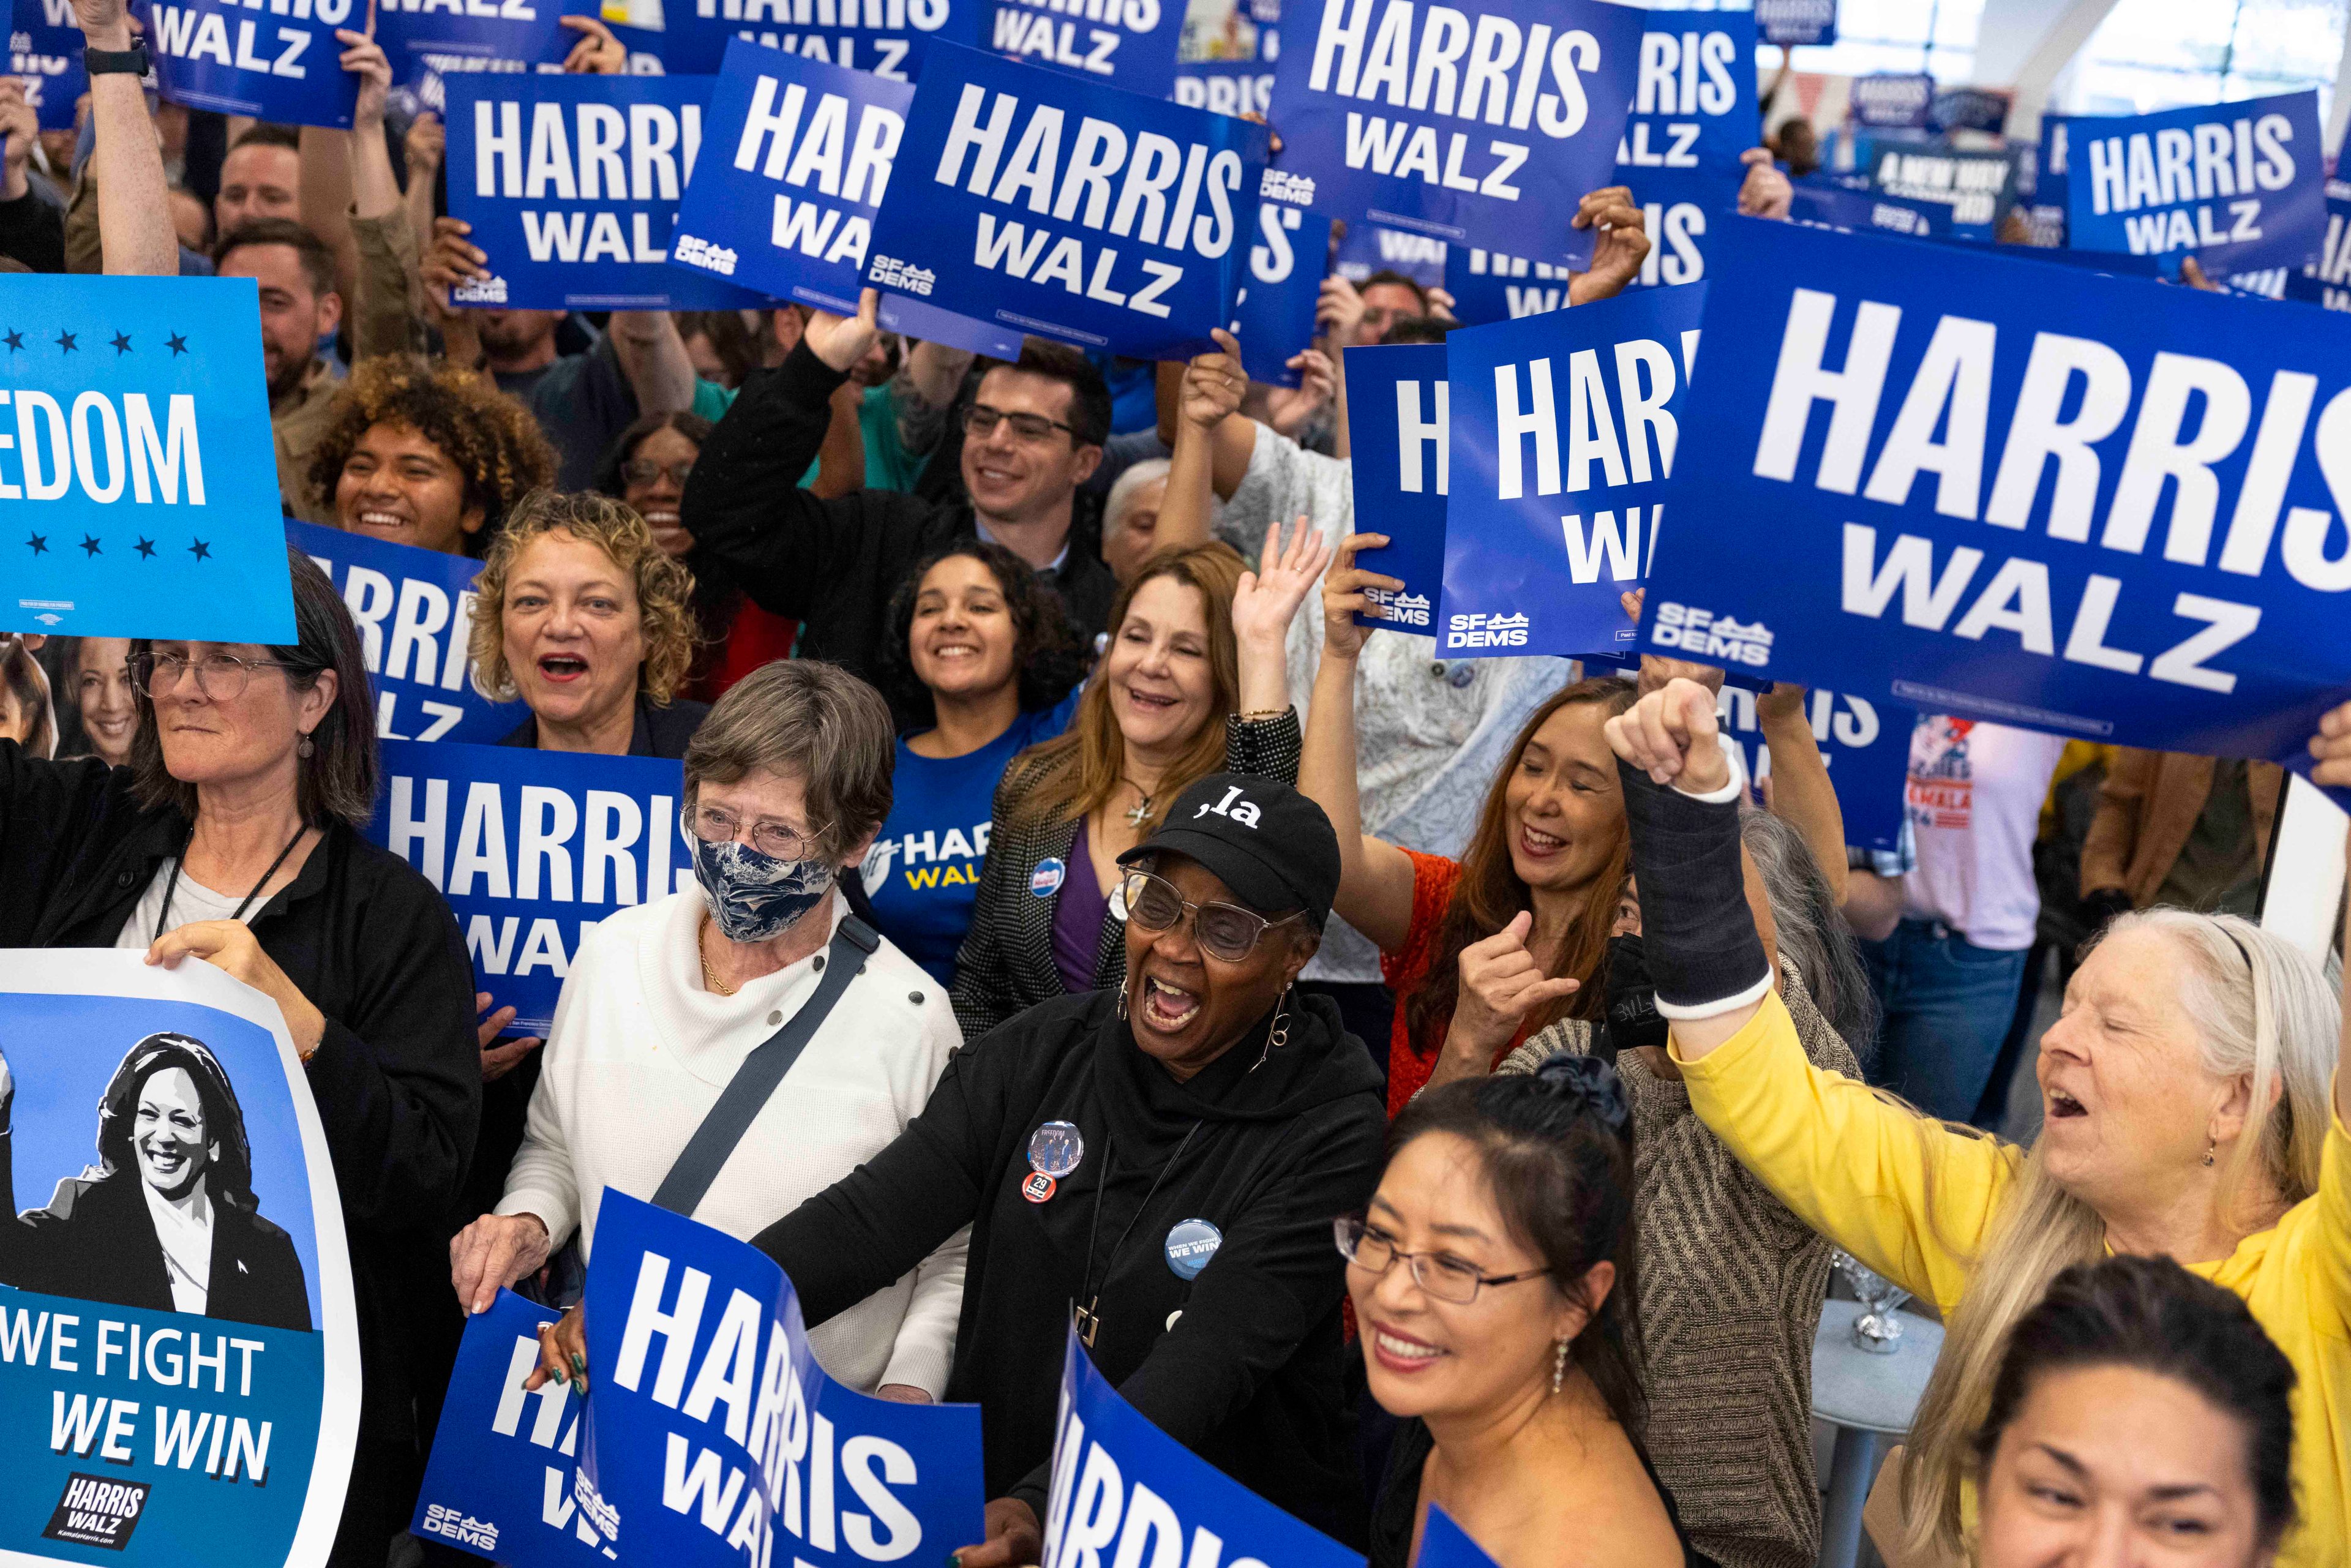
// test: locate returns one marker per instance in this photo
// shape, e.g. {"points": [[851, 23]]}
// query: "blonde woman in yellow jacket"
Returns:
{"points": [[2185, 1099]]}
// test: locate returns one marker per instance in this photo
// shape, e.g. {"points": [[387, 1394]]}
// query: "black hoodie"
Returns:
{"points": [[1244, 1364]]}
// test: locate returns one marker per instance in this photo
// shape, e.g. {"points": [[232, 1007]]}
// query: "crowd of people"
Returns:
{"points": [[1040, 780]]}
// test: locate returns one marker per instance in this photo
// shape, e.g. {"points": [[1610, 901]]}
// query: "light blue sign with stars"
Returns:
{"points": [[138, 480]]}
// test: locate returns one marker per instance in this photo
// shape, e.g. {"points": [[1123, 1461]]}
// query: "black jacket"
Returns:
{"points": [[661, 729], [397, 1075], [831, 565], [1242, 1364]]}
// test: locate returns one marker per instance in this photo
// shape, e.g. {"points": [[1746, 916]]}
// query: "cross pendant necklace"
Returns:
{"points": [[1141, 813]]}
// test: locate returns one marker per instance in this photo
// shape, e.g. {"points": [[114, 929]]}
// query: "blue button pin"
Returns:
{"points": [[1191, 1243]]}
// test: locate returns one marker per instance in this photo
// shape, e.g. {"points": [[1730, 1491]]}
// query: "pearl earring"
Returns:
{"points": [[1558, 1366]]}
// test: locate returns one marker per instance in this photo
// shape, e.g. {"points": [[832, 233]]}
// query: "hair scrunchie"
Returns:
{"points": [[1587, 1084]]}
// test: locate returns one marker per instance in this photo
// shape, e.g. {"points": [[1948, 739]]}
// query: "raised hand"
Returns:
{"points": [[1501, 985], [1657, 669], [1765, 192], [1287, 409], [452, 259], [1266, 600], [1344, 596], [1214, 383], [1673, 737], [1622, 246], [365, 58], [103, 22], [1338, 310], [20, 124], [597, 53], [841, 340], [2331, 745], [427, 146]]}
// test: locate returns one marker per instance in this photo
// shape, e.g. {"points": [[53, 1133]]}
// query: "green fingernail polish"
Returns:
{"points": [[578, 1362]]}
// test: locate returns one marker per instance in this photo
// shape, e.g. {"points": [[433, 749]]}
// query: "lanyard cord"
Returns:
{"points": [[171, 885], [1089, 1323]]}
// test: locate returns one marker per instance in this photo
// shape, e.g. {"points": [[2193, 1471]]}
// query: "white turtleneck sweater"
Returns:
{"points": [[638, 1055]]}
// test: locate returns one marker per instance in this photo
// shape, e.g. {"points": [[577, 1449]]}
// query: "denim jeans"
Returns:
{"points": [[1946, 1005]]}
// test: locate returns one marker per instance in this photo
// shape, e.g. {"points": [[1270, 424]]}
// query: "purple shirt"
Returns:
{"points": [[1078, 917]]}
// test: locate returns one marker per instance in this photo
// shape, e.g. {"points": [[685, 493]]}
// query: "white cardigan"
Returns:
{"points": [[638, 1055]]}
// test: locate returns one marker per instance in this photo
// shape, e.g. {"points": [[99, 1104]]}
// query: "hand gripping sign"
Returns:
{"points": [[1480, 124], [2027, 494]]}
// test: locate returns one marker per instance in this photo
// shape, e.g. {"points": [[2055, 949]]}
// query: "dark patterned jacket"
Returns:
{"points": [[1007, 961]]}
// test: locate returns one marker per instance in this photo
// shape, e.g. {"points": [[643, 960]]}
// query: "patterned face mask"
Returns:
{"points": [[752, 896]]}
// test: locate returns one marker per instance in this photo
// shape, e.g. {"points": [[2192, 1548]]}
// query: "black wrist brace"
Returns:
{"points": [[1698, 934]]}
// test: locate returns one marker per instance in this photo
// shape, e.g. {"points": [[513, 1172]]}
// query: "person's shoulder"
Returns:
{"points": [[1050, 1029], [671, 725]]}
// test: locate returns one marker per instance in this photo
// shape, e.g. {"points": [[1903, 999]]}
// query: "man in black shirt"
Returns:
{"points": [[1032, 434]]}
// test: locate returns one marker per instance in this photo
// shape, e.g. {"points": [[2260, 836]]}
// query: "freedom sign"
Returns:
{"points": [[45, 46], [712, 1437], [787, 205], [1791, 22], [2240, 186], [571, 184], [2029, 494], [887, 37], [281, 64], [1399, 420], [414, 609], [1569, 424], [142, 495], [1865, 745], [532, 848], [2327, 281], [1124, 1491], [1482, 124], [156, 1422], [1694, 100], [1130, 42], [1274, 316], [1041, 201]]}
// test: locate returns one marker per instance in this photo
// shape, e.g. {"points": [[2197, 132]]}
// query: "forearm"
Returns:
{"points": [[382, 317], [326, 190], [1340, 445], [1803, 795], [400, 1139], [1187, 511], [933, 371], [1872, 905], [1233, 445], [1326, 770], [652, 358], [1265, 675], [840, 461], [134, 209], [375, 193], [923, 1350]]}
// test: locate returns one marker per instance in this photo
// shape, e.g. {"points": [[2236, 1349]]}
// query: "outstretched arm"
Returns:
{"points": [[1375, 876], [134, 206]]}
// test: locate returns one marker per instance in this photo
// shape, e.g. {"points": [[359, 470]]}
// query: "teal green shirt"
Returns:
{"points": [[888, 465]]}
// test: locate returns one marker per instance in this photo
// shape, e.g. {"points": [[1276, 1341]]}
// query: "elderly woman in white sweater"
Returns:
{"points": [[785, 783]]}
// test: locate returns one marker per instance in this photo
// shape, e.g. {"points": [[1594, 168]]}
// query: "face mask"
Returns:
{"points": [[752, 896], [1633, 1017]]}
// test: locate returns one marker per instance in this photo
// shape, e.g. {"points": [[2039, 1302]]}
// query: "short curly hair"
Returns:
{"points": [[664, 588], [1049, 655], [494, 441]]}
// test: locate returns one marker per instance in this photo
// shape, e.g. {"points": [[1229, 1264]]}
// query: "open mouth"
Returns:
{"points": [[375, 519], [165, 1159], [1166, 1008], [1401, 1353], [1539, 845], [955, 651], [2063, 1107], [563, 668], [110, 729], [1149, 701], [994, 476]]}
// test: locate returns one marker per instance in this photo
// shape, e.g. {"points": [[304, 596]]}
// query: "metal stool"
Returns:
{"points": [[1865, 1396]]}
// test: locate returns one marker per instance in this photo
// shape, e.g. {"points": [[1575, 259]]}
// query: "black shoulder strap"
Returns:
{"points": [[747, 1092]]}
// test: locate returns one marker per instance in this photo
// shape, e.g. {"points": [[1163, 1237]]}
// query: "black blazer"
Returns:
{"points": [[1006, 965], [661, 731], [96, 1242]]}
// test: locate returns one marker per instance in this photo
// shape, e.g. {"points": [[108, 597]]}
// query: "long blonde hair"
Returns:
{"points": [[2283, 1031]]}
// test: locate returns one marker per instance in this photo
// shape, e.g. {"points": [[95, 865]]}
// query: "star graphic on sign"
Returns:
{"points": [[146, 549], [39, 543], [15, 340], [200, 550], [123, 343], [89, 543], [176, 343], [65, 341]]}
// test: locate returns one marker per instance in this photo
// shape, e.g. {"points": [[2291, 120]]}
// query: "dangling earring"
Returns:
{"points": [[306, 749], [2211, 1144], [1558, 1366], [1278, 1035]]}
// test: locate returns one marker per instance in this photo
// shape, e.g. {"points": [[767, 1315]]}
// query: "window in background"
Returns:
{"points": [[1937, 36], [2164, 53]]}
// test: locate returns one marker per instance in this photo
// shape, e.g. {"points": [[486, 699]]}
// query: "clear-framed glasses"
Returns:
{"points": [[222, 677], [980, 421], [1224, 931], [645, 470], [716, 825], [1446, 1279]]}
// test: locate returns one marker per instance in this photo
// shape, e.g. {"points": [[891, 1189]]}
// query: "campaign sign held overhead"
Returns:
{"points": [[2240, 186], [712, 1437], [1682, 206], [1129, 42], [1367, 248], [571, 184], [450, 36], [2092, 505], [2327, 281], [1893, 98], [1224, 87], [1568, 426], [140, 493], [1694, 100], [1126, 1491], [45, 46], [146, 1418], [1044, 202], [1274, 318], [1865, 745], [1791, 22], [887, 38], [278, 63], [1488, 286], [1973, 188], [1482, 124], [1399, 418], [787, 205]]}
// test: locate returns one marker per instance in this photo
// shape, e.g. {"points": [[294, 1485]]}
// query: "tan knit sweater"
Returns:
{"points": [[1731, 1285]]}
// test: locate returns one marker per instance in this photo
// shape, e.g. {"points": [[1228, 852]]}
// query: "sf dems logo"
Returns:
{"points": [[1697, 633], [96, 1511]]}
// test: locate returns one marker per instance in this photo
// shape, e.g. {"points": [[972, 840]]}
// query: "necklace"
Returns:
{"points": [[1142, 812], [709, 976]]}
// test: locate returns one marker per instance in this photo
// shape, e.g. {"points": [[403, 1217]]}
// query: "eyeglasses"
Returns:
{"points": [[1224, 931], [980, 421], [715, 825], [221, 678], [645, 470], [1446, 1279]]}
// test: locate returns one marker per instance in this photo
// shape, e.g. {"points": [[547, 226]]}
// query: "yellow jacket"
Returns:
{"points": [[1857, 1170]]}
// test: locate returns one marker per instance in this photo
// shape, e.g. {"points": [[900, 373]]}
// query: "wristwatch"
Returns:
{"points": [[131, 61]]}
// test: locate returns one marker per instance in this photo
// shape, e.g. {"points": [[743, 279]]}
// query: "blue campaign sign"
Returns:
{"points": [[906, 315], [1274, 317], [1969, 108], [571, 184], [1445, 1544], [45, 53], [1367, 248], [1682, 207], [1865, 745], [2037, 495], [146, 1418], [785, 203], [712, 1437], [415, 609], [1399, 417], [1901, 99], [887, 38], [1569, 422], [447, 36], [1488, 286], [1123, 1487], [531, 849], [1836, 206], [1974, 189], [1791, 22], [142, 493], [2240, 186], [1694, 100], [1131, 43], [276, 64], [1482, 124], [1224, 86], [2327, 281], [1045, 203]]}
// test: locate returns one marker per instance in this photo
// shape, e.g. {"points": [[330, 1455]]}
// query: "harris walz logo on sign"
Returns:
{"points": [[96, 1511]]}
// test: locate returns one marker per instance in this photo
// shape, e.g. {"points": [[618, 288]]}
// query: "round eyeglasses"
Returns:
{"points": [[716, 825], [221, 678], [1224, 931]]}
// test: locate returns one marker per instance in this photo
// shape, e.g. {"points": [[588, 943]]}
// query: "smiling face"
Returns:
{"points": [[1430, 1357], [1563, 809], [110, 714], [1162, 685], [168, 1134], [1186, 1008], [574, 631], [656, 498], [962, 642], [213, 740], [1017, 480], [397, 484], [2113, 1466]]}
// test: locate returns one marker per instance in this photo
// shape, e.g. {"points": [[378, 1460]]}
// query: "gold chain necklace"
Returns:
{"points": [[709, 976]]}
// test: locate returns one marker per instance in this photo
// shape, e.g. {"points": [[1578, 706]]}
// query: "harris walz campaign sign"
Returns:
{"points": [[1130, 42], [2021, 493], [1274, 316], [1694, 98], [1401, 425], [1680, 206], [1042, 202], [887, 38], [151, 1414], [571, 184], [1482, 124], [274, 60], [44, 47], [140, 495]]}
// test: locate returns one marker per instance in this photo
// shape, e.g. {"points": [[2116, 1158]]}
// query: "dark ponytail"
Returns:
{"points": [[1557, 1151]]}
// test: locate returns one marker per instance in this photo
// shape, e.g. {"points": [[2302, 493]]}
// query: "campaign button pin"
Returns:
{"points": [[1190, 1244], [1055, 1149], [1046, 879], [1038, 1188]]}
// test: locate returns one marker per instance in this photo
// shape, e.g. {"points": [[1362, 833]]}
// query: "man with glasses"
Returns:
{"points": [[1031, 435]]}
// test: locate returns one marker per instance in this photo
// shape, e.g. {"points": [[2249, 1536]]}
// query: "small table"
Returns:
{"points": [[1866, 1397]]}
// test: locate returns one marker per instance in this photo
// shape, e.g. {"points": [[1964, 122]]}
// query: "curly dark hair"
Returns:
{"points": [[1049, 653], [494, 441], [230, 1174]]}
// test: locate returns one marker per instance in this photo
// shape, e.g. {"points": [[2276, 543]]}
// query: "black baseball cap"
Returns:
{"points": [[1271, 845]]}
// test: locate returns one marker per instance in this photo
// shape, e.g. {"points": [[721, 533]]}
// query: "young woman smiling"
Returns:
{"points": [[433, 458]]}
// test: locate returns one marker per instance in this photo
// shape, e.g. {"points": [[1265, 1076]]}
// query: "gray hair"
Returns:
{"points": [[1131, 483], [1810, 932], [807, 720]]}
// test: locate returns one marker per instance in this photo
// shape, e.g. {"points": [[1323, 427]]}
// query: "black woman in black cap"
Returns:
{"points": [[1159, 1165]]}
